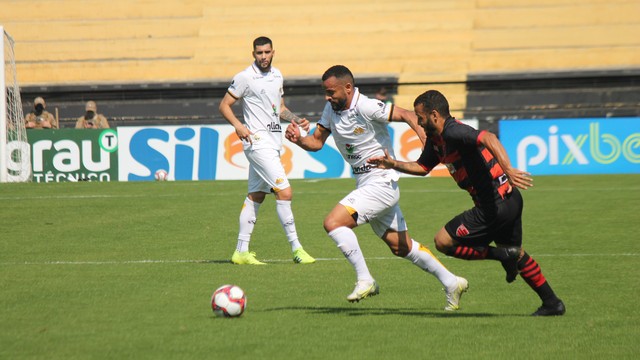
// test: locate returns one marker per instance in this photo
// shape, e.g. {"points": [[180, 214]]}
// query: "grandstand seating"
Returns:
{"points": [[418, 41]]}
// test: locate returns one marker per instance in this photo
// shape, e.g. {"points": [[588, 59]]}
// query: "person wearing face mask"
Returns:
{"points": [[91, 119], [39, 118]]}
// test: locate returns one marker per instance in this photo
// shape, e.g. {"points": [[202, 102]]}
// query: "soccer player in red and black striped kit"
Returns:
{"points": [[479, 164]]}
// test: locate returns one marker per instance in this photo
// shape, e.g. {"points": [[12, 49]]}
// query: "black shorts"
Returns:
{"points": [[480, 226]]}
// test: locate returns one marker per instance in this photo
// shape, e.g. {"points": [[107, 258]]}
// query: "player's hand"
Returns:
{"points": [[520, 179], [304, 124], [293, 133], [244, 134], [382, 162]]}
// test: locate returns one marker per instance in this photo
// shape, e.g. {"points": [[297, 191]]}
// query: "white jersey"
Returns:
{"points": [[262, 96], [360, 133]]}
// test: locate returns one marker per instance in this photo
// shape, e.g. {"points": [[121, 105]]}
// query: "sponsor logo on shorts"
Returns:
{"points": [[279, 181], [462, 230], [361, 169]]}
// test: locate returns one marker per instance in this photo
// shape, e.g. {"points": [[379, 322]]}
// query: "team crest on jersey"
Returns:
{"points": [[275, 112], [359, 130]]}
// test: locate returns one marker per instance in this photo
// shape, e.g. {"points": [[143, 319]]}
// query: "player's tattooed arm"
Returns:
{"points": [[287, 115]]}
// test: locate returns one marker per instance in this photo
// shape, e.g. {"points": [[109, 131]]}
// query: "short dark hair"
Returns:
{"points": [[433, 100], [262, 40], [339, 72]]}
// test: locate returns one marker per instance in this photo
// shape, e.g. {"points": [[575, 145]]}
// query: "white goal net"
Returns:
{"points": [[15, 157]]}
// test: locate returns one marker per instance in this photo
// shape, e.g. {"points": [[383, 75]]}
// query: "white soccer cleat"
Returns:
{"points": [[455, 293], [364, 289]]}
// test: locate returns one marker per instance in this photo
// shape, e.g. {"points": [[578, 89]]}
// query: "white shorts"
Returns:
{"points": [[266, 173], [377, 204]]}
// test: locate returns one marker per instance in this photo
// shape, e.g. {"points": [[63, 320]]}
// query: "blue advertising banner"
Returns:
{"points": [[573, 146]]}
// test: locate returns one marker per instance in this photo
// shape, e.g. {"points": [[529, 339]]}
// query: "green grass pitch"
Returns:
{"points": [[126, 271]]}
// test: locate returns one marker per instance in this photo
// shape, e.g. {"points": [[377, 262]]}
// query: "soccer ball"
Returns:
{"points": [[228, 301], [161, 175]]}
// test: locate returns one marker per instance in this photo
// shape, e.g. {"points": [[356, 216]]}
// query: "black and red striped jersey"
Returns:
{"points": [[470, 164]]}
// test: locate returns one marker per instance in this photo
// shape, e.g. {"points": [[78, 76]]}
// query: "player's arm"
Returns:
{"points": [[517, 178], [287, 115], [387, 162], [311, 142], [409, 117], [227, 113]]}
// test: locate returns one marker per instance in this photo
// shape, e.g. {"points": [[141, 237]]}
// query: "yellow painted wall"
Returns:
{"points": [[94, 41]]}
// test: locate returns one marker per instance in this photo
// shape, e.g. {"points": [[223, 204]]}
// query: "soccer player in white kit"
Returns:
{"points": [[260, 87], [359, 128]]}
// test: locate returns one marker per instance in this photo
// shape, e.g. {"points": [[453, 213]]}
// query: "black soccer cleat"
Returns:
{"points": [[510, 262], [556, 309]]}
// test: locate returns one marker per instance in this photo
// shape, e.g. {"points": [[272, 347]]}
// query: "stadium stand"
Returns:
{"points": [[179, 56]]}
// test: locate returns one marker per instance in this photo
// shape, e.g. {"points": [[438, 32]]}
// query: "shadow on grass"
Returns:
{"points": [[350, 311]]}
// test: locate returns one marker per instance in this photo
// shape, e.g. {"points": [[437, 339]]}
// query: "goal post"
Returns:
{"points": [[15, 156]]}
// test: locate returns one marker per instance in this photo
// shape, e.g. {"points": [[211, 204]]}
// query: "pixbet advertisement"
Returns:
{"points": [[573, 146]]}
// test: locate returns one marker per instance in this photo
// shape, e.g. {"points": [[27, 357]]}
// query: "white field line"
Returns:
{"points": [[341, 190], [136, 262]]}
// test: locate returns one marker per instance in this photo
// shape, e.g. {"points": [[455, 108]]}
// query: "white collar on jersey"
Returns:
{"points": [[258, 71]]}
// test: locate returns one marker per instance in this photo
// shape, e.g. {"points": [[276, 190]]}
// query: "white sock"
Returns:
{"points": [[248, 218], [347, 242], [283, 208], [422, 257]]}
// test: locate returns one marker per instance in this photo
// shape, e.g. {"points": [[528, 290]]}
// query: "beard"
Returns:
{"points": [[264, 66], [339, 105]]}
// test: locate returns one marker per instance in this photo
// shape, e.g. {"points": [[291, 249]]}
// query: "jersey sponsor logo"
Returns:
{"points": [[462, 230], [361, 169], [350, 148], [274, 127], [358, 130]]}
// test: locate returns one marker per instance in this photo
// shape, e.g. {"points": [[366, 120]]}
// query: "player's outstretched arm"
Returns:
{"points": [[518, 178], [311, 142], [387, 162], [409, 117]]}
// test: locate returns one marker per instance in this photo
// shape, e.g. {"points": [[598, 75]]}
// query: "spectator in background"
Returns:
{"points": [[91, 119], [383, 96], [40, 118]]}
